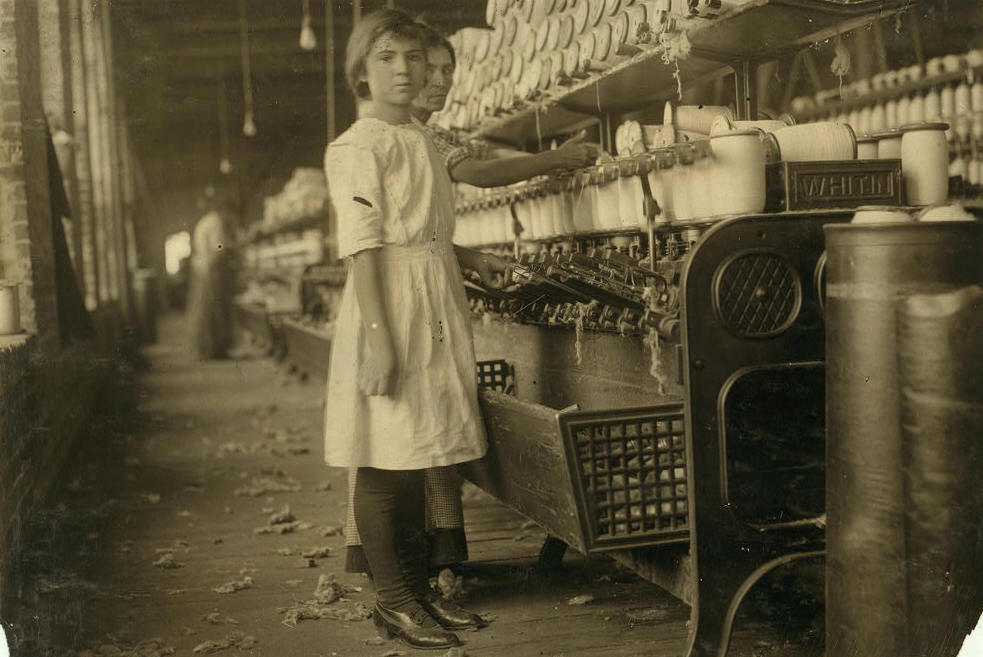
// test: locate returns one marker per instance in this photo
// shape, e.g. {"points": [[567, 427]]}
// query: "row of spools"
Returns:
{"points": [[695, 181], [958, 102], [536, 45]]}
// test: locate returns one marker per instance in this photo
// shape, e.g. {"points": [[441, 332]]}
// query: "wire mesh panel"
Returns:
{"points": [[498, 375], [628, 468]]}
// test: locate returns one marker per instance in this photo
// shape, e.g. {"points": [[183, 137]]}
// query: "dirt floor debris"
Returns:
{"points": [[217, 618], [648, 616], [282, 528], [317, 553], [375, 641], [265, 485], [167, 562], [451, 586], [580, 599], [282, 516], [312, 610], [150, 648], [328, 592], [238, 640], [332, 530], [393, 652], [323, 487], [232, 586]]}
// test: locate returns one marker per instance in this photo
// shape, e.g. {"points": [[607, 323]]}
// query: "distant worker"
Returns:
{"points": [[209, 298]]}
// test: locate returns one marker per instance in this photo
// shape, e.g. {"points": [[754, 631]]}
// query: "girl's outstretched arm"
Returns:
{"points": [[377, 375]]}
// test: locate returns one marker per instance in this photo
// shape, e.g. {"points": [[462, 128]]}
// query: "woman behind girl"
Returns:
{"points": [[402, 388]]}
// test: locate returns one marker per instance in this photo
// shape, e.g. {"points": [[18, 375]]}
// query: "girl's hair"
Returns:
{"points": [[434, 39], [364, 35]]}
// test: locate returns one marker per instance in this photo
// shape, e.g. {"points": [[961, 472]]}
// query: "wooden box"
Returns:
{"points": [[833, 184]]}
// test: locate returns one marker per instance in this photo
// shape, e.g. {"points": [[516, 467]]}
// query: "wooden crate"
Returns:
{"points": [[254, 321], [307, 349]]}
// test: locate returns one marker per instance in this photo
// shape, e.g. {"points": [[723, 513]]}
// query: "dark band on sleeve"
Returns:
{"points": [[359, 199]]}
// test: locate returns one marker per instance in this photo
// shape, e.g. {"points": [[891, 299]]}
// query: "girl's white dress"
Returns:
{"points": [[390, 191]]}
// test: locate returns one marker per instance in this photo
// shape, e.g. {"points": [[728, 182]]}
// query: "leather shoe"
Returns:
{"points": [[400, 625], [452, 616]]}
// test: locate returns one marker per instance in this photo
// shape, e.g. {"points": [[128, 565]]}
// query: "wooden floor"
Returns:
{"points": [[169, 477]]}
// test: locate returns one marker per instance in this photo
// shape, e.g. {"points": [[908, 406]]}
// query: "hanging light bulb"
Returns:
{"points": [[248, 125], [308, 40], [225, 165]]}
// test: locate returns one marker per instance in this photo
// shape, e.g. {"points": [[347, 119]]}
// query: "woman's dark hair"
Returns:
{"points": [[364, 35], [434, 39]]}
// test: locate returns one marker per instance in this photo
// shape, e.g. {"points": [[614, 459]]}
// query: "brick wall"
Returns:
{"points": [[46, 390]]}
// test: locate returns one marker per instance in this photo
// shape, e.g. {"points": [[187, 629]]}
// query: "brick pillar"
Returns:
{"points": [[114, 119], [98, 164], [25, 215], [85, 210], [56, 95]]}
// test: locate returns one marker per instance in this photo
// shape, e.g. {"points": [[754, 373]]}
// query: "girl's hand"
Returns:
{"points": [[575, 153], [377, 375], [493, 270]]}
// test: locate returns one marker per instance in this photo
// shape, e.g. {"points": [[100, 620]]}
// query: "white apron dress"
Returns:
{"points": [[390, 191]]}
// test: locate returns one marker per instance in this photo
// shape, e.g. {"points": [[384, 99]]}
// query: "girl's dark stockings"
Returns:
{"points": [[390, 516]]}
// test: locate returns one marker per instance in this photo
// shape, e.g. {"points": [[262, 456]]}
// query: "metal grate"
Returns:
{"points": [[757, 294], [496, 375], [629, 474]]}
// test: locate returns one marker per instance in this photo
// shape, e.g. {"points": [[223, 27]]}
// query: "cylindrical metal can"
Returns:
{"points": [[870, 267]]}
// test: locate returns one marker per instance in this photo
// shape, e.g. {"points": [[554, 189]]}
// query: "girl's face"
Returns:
{"points": [[395, 70], [440, 76]]}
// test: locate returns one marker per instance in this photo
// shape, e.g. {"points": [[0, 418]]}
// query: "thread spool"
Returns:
{"points": [[557, 76], [737, 172], [916, 110], [933, 105], [630, 195], [492, 15], [659, 179], [976, 96], [903, 104], [636, 21], [816, 142], [878, 118], [891, 114], [545, 72], [924, 163], [552, 33], [940, 354], [579, 16], [964, 102], [946, 212], [869, 269], [698, 118], [571, 60], [565, 31], [867, 148], [701, 184], [681, 177], [888, 144], [880, 214], [863, 122], [9, 308], [607, 200]]}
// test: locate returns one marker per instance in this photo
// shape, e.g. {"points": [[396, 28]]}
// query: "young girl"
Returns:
{"points": [[471, 163], [402, 389]]}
